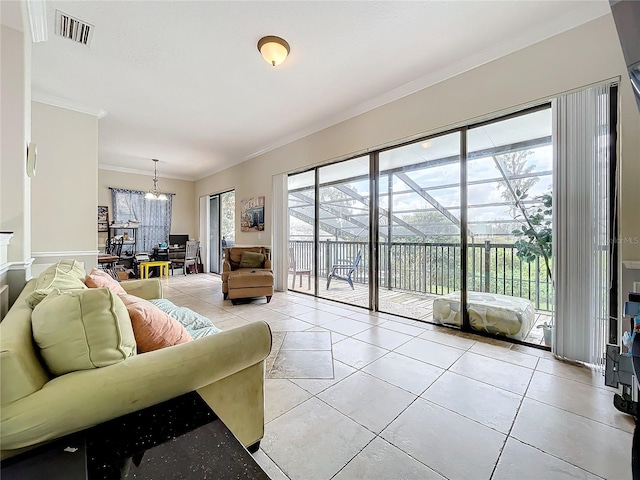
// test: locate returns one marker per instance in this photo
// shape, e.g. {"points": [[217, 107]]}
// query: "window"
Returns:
{"points": [[154, 216]]}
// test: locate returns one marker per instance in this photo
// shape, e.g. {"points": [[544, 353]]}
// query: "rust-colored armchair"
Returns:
{"points": [[252, 275]]}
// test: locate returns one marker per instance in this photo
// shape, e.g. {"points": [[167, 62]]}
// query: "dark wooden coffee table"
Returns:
{"points": [[180, 438]]}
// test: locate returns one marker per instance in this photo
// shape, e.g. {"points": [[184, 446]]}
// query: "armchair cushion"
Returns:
{"points": [[153, 329], [82, 329], [251, 260], [235, 255]]}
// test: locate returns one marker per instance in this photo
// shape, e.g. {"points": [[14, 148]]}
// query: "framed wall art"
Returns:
{"points": [[103, 218], [252, 214]]}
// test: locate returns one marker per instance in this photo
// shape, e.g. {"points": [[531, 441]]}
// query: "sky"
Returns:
{"points": [[442, 182]]}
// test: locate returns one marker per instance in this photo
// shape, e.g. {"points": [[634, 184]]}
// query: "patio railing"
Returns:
{"points": [[435, 268]]}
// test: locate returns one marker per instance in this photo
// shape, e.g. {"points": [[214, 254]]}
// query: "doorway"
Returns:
{"points": [[221, 227]]}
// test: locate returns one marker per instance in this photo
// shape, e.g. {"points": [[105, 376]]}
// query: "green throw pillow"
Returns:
{"points": [[64, 275], [82, 329], [251, 260]]}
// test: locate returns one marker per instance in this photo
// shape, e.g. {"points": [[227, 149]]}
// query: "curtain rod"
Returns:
{"points": [[135, 191]]}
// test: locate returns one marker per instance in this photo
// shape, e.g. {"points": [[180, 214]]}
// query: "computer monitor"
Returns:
{"points": [[180, 240]]}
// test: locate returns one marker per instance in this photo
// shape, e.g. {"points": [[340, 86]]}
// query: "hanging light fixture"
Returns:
{"points": [[273, 49], [155, 193]]}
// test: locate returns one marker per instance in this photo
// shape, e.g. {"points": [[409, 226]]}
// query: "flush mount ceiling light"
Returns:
{"points": [[155, 193], [273, 49]]}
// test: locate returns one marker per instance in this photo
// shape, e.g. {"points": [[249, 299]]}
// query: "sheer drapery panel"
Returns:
{"points": [[154, 216]]}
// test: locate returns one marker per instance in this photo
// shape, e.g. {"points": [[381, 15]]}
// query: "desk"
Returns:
{"points": [[164, 268], [108, 264], [170, 440], [168, 253]]}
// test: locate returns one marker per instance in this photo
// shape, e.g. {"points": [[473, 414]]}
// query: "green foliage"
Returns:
{"points": [[534, 236], [515, 165], [228, 215]]}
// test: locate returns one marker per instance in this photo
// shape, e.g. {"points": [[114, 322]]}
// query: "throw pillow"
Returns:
{"points": [[64, 275], [197, 325], [82, 329], [101, 279], [153, 328], [251, 260]]}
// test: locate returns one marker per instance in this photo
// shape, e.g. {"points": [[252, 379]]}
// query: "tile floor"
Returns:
{"points": [[353, 395]]}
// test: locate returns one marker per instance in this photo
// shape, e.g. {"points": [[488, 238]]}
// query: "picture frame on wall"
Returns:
{"points": [[103, 218], [103, 214], [252, 214]]}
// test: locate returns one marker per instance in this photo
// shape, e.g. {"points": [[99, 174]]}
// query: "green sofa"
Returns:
{"points": [[226, 369]]}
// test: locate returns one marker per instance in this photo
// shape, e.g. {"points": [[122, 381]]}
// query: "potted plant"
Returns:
{"points": [[534, 240]]}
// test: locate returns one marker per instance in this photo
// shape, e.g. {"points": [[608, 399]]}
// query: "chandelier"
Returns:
{"points": [[155, 193]]}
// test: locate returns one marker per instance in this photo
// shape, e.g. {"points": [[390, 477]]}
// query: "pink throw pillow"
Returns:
{"points": [[101, 279], [152, 328]]}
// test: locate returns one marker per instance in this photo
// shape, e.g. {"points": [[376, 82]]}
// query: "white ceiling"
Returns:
{"points": [[183, 81]]}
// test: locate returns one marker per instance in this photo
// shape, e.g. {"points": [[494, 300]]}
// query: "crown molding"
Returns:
{"points": [[143, 172], [560, 25], [68, 104], [37, 12]]}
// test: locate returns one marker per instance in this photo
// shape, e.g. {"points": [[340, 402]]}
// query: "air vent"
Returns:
{"points": [[73, 29]]}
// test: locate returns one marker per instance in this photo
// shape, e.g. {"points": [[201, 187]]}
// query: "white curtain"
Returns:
{"points": [[280, 232], [582, 224]]}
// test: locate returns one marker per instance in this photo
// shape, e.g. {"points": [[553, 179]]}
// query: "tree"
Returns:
{"points": [[534, 236], [515, 164], [228, 215]]}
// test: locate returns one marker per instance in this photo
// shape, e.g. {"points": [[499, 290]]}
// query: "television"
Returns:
{"points": [[180, 240]]}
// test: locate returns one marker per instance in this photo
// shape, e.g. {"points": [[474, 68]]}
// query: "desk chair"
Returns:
{"points": [[190, 257], [112, 252]]}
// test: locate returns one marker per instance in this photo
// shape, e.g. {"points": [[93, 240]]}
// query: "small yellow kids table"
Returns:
{"points": [[164, 268]]}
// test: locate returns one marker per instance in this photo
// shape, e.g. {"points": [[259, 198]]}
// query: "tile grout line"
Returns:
{"points": [[508, 435], [515, 418]]}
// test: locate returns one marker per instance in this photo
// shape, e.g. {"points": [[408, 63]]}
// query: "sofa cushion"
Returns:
{"points": [[153, 329], [101, 279], [22, 371], [197, 325], [64, 275], [82, 329], [17, 376], [251, 260]]}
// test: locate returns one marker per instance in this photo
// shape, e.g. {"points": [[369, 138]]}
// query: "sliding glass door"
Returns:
{"points": [[221, 227], [302, 214], [462, 227], [215, 258], [419, 227], [509, 192], [343, 227]]}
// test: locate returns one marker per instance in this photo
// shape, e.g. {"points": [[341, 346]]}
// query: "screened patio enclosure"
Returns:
{"points": [[427, 195]]}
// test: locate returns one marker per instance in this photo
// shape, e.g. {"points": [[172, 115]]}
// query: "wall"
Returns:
{"points": [[247, 183], [15, 132], [184, 216], [588, 54], [64, 192]]}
